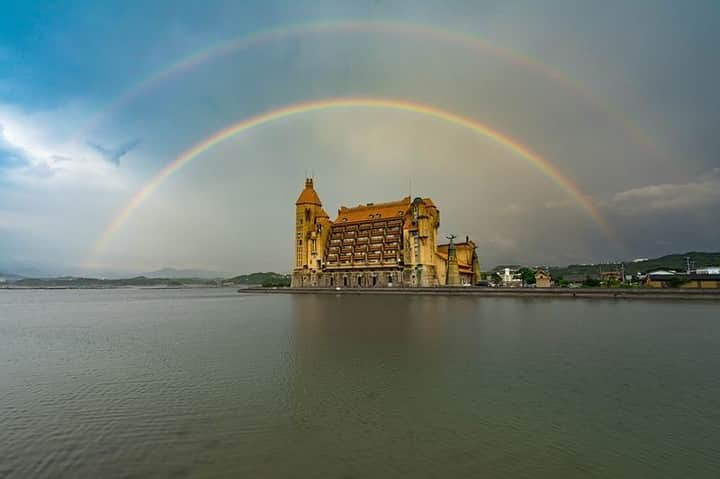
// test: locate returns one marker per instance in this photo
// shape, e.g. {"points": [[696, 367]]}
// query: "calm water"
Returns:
{"points": [[210, 383]]}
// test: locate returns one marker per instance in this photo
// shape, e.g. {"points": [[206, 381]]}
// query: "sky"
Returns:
{"points": [[619, 99]]}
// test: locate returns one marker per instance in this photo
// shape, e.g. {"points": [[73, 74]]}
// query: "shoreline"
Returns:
{"points": [[583, 293]]}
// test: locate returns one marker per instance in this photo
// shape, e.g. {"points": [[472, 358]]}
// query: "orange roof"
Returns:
{"points": [[392, 209], [323, 214], [308, 195]]}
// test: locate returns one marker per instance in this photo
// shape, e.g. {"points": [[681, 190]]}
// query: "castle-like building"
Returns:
{"points": [[377, 245]]}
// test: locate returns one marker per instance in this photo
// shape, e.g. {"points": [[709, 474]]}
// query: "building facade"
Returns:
{"points": [[542, 279], [375, 245], [683, 280]]}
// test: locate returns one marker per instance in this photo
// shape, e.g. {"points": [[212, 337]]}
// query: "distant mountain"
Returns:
{"points": [[698, 259], [671, 261], [6, 277], [71, 282], [266, 279], [185, 273]]}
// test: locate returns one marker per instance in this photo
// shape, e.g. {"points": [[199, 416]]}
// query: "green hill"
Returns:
{"points": [[672, 261], [264, 279]]}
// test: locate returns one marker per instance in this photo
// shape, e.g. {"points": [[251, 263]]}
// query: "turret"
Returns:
{"points": [[311, 229]]}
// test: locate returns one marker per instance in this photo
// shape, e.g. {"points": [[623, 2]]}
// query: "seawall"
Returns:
{"points": [[600, 293]]}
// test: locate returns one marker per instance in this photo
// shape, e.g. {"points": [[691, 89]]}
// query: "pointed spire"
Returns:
{"points": [[308, 195]]}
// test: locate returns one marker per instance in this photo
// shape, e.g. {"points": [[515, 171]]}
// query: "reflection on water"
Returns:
{"points": [[210, 383]]}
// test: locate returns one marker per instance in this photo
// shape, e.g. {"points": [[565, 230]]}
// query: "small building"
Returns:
{"points": [[608, 276], [662, 272], [708, 270], [542, 279], [510, 279]]}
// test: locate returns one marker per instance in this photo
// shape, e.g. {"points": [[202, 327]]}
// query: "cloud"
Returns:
{"points": [[113, 155], [37, 146], [11, 156], [702, 193]]}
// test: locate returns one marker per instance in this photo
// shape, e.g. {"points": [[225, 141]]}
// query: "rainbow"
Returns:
{"points": [[456, 39], [198, 149]]}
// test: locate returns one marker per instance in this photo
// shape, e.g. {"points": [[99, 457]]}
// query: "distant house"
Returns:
{"points": [[610, 276], [510, 279], [542, 279], [708, 270], [666, 272]]}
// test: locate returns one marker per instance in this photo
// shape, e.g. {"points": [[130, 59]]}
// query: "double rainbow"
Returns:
{"points": [[451, 38]]}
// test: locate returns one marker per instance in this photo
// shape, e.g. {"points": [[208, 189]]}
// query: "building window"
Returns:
{"points": [[332, 281], [345, 281], [359, 279], [374, 280], [299, 242], [389, 278]]}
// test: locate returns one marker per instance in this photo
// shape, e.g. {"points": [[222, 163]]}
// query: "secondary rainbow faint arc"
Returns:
{"points": [[338, 103], [461, 39]]}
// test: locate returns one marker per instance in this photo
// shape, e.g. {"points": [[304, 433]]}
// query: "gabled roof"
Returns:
{"points": [[370, 211]]}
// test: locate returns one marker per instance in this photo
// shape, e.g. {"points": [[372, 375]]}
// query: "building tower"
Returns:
{"points": [[453, 271], [311, 229]]}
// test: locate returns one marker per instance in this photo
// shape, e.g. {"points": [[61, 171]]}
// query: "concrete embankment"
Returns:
{"points": [[683, 294]]}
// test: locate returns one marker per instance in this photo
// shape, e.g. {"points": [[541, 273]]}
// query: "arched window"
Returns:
{"points": [[345, 281]]}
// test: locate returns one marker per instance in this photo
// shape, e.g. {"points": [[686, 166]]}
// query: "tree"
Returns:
{"points": [[527, 275], [676, 282], [591, 282]]}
